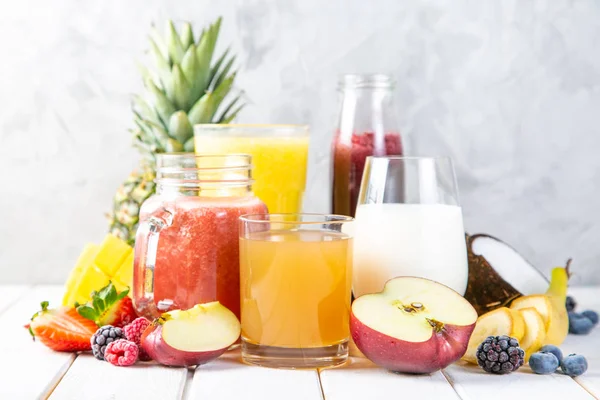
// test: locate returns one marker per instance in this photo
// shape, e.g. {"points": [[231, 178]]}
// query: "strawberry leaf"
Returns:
{"points": [[122, 294], [98, 304], [87, 312], [111, 296]]}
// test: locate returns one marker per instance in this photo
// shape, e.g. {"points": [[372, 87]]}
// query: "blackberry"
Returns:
{"points": [[500, 354], [103, 336], [570, 303]]}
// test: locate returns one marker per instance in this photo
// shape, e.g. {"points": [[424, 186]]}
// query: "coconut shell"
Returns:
{"points": [[486, 289]]}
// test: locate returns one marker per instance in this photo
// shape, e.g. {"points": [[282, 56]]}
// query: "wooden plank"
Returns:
{"points": [[361, 379], [228, 378], [91, 379], [472, 383], [34, 369], [588, 298], [10, 294]]}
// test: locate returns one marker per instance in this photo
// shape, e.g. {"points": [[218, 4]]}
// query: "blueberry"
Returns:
{"points": [[570, 303], [579, 325], [543, 363], [550, 348], [574, 365], [591, 315]]}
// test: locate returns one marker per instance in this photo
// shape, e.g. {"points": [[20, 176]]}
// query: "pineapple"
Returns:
{"points": [[184, 88], [111, 261]]}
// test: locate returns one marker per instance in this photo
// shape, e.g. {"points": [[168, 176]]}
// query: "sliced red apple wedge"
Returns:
{"points": [[414, 325], [191, 337]]}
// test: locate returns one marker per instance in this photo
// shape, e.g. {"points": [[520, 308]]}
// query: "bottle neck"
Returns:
{"points": [[367, 105]]}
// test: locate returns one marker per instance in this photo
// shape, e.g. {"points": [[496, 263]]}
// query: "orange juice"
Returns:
{"points": [[279, 157], [295, 287]]}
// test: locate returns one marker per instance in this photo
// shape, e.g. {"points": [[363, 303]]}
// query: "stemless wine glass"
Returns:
{"points": [[295, 284], [409, 223]]}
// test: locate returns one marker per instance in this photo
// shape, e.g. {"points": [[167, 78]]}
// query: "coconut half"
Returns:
{"points": [[498, 274]]}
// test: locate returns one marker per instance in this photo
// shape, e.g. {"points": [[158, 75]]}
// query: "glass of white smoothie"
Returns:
{"points": [[409, 223]]}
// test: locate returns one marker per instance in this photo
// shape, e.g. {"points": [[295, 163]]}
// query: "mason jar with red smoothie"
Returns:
{"points": [[187, 249]]}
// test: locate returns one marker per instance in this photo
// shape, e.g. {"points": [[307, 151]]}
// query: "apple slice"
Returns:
{"points": [[501, 321], [535, 332], [191, 337], [414, 325]]}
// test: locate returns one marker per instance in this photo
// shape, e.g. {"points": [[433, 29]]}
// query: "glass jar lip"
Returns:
{"points": [[277, 130], [244, 164], [318, 219], [415, 158], [369, 80]]}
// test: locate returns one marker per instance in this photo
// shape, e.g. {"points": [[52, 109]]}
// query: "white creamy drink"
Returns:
{"points": [[424, 240]]}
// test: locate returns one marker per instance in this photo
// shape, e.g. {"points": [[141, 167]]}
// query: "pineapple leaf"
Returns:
{"points": [[215, 68], [228, 108], [156, 37], [143, 110], [204, 53], [187, 35], [147, 76], [200, 112], [173, 146], [181, 89], [180, 127], [191, 69], [220, 92], [147, 134], [163, 106], [164, 70], [176, 49], [228, 118], [219, 77], [189, 145]]}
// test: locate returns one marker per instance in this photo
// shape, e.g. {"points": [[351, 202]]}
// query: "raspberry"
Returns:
{"points": [[121, 353], [134, 331], [103, 337]]}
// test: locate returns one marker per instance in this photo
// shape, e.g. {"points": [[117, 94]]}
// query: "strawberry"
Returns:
{"points": [[109, 307], [62, 329]]}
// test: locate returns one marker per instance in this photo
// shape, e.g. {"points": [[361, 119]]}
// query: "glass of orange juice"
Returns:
{"points": [[295, 284], [279, 155]]}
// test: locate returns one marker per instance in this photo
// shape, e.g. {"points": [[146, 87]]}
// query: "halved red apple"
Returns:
{"points": [[191, 337], [414, 325]]}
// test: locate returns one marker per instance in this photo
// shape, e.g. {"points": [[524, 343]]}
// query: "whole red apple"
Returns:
{"points": [[191, 337], [414, 325]]}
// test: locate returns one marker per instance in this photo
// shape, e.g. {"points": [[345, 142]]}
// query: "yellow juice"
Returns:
{"points": [[279, 166], [295, 288]]}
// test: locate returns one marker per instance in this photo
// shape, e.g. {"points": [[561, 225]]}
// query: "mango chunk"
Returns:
{"points": [[91, 279], [125, 272], [113, 251], [85, 260]]}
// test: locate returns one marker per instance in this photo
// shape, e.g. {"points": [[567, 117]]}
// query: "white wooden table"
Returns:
{"points": [[29, 371]]}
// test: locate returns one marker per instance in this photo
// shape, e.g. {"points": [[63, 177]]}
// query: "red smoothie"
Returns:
{"points": [[197, 257]]}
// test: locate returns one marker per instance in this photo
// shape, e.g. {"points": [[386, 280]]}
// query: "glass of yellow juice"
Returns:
{"points": [[279, 156], [295, 287]]}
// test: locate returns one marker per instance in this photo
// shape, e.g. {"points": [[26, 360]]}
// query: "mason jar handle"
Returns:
{"points": [[153, 226]]}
